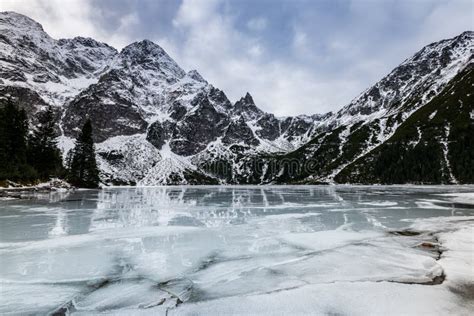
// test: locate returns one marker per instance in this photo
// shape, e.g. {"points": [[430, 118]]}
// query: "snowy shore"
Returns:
{"points": [[17, 191]]}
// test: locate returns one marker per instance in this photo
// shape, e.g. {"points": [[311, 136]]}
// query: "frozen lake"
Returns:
{"points": [[285, 250]]}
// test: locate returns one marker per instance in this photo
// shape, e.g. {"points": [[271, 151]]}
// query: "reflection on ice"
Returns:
{"points": [[198, 249]]}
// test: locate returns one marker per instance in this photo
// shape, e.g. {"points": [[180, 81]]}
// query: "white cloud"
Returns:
{"points": [[326, 64], [196, 12], [59, 18], [448, 19], [300, 39], [70, 18], [217, 49], [117, 38], [226, 57], [255, 51], [257, 24]]}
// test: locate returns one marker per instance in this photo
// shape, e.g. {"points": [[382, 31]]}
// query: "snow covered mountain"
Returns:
{"points": [[150, 117], [155, 123], [376, 138]]}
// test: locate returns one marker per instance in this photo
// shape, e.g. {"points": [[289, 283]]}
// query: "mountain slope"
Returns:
{"points": [[435, 144], [55, 70], [140, 97], [155, 123], [377, 114]]}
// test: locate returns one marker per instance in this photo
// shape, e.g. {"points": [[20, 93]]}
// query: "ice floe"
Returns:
{"points": [[240, 251]]}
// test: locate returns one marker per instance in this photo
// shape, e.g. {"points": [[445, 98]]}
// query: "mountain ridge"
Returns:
{"points": [[155, 123]]}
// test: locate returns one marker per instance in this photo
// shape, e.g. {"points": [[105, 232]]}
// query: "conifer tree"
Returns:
{"points": [[13, 144], [82, 165], [43, 152]]}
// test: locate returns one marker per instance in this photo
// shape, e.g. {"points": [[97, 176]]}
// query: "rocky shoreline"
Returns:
{"points": [[17, 191]]}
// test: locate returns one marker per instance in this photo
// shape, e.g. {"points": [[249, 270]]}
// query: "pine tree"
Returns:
{"points": [[13, 145], [82, 166], [43, 152]]}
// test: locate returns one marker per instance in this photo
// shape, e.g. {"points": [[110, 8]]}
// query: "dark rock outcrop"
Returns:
{"points": [[239, 131], [200, 126]]}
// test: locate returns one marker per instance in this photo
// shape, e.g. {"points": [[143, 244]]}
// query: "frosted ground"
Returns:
{"points": [[240, 250]]}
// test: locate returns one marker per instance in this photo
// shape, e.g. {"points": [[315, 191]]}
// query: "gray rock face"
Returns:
{"points": [[178, 111], [238, 131], [194, 74], [108, 119], [298, 126], [115, 103], [200, 126], [270, 127], [27, 99], [83, 54], [27, 49], [414, 76], [31, 102], [158, 133], [147, 56], [219, 98], [246, 108], [111, 113]]}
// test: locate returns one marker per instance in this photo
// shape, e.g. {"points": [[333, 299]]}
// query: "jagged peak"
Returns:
{"points": [[248, 98], [194, 74], [466, 37], [144, 47], [247, 102], [148, 53], [451, 53], [469, 34], [83, 41], [19, 21], [17, 27], [246, 106]]}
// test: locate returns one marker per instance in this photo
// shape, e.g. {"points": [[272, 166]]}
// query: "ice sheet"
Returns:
{"points": [[240, 250], [461, 197]]}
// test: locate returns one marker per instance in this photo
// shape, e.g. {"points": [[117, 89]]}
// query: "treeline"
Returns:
{"points": [[33, 156]]}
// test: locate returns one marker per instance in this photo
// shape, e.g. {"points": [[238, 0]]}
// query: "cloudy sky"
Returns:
{"points": [[293, 56]]}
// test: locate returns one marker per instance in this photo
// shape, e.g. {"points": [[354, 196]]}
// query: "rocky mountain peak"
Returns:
{"points": [[150, 55], [194, 74], [146, 51], [427, 70], [151, 118], [19, 31], [466, 36], [248, 98], [15, 21], [247, 108], [80, 42], [34, 61], [144, 48]]}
